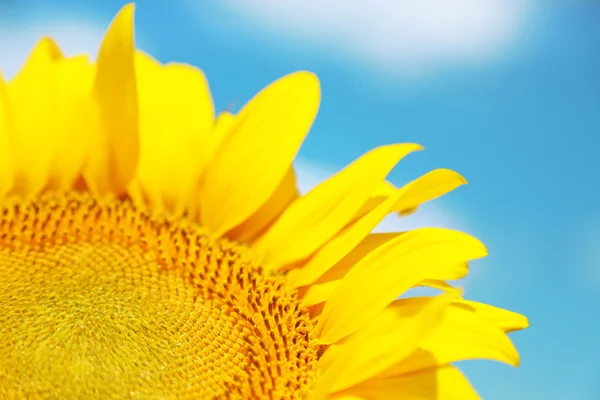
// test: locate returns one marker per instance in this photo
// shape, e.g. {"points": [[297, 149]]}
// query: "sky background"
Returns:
{"points": [[506, 92]]}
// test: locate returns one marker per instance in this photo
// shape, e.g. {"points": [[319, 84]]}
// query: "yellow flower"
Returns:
{"points": [[149, 250]]}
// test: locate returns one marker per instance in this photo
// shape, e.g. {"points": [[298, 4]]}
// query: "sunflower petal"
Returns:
{"points": [[429, 187], [462, 335], [32, 105], [257, 153], [316, 217], [322, 289], [363, 249], [74, 77], [390, 337], [115, 157], [262, 219], [6, 163], [441, 285], [339, 246], [222, 127], [176, 119], [505, 320], [389, 271], [422, 189], [445, 383]]}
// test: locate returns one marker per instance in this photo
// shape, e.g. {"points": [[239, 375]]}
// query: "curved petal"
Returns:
{"points": [[176, 118], [505, 320], [389, 271], [336, 249], [422, 189], [461, 335], [320, 214], [261, 220], [429, 187], [113, 163], [74, 116], [31, 96], [390, 337], [426, 188], [257, 153]]}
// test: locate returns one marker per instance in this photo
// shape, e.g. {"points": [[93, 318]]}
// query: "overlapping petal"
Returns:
{"points": [[32, 122], [176, 120], [255, 156], [388, 272], [114, 161], [130, 125], [319, 215]]}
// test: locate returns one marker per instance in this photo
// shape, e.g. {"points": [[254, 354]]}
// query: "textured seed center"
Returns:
{"points": [[101, 301]]}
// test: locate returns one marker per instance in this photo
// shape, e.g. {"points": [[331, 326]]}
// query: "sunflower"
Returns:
{"points": [[149, 249]]}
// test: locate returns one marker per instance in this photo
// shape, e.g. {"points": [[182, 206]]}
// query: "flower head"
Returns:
{"points": [[149, 249]]}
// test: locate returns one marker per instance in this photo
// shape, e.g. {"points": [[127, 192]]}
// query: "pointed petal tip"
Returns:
{"points": [[514, 358], [453, 175], [517, 361], [521, 323], [483, 249], [122, 23], [51, 47], [126, 11], [413, 146], [115, 92]]}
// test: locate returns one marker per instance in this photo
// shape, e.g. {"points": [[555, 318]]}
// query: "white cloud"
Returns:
{"points": [[432, 214], [398, 35], [16, 41]]}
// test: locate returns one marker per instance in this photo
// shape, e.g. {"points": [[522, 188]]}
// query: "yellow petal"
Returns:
{"points": [[441, 285], [176, 118], [316, 217], [257, 153], [339, 246], [445, 383], [505, 320], [261, 220], [222, 127], [74, 116], [461, 335], [322, 289], [428, 187], [319, 292], [422, 189], [394, 334], [388, 272], [31, 96], [6, 163], [113, 163], [384, 189]]}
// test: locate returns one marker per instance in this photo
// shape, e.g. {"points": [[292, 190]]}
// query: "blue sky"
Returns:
{"points": [[505, 92]]}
